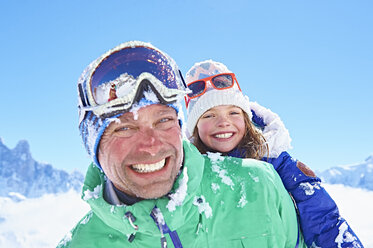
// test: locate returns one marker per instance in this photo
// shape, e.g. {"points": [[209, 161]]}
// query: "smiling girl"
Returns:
{"points": [[221, 119]]}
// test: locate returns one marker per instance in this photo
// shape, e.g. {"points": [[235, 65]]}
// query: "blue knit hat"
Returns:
{"points": [[147, 85]]}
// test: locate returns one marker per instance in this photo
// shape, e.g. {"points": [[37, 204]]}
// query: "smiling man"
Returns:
{"points": [[147, 187]]}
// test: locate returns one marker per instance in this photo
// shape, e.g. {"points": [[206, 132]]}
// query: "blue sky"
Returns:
{"points": [[309, 61]]}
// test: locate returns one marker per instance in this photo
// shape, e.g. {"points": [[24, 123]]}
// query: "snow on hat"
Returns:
{"points": [[92, 126], [212, 97]]}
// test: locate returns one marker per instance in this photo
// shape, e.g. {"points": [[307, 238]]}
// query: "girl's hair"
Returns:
{"points": [[252, 145]]}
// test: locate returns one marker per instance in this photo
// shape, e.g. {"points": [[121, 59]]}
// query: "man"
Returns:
{"points": [[149, 188]]}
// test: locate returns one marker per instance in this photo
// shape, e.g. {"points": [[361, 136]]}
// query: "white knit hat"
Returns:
{"points": [[212, 97]]}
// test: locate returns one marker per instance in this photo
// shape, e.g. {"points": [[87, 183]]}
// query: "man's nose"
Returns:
{"points": [[148, 141]]}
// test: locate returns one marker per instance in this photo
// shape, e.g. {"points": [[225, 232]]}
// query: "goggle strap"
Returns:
{"points": [[82, 95], [182, 79]]}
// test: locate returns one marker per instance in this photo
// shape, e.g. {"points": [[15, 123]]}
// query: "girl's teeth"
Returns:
{"points": [[146, 168], [224, 135]]}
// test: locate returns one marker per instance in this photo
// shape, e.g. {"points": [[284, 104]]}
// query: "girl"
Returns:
{"points": [[221, 119]]}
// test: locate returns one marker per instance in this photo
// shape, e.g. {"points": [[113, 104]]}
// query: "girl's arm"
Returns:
{"points": [[319, 216], [320, 220]]}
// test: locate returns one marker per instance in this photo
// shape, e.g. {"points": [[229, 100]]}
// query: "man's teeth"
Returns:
{"points": [[145, 168], [224, 135]]}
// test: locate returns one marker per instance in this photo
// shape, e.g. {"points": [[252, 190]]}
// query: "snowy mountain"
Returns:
{"points": [[21, 175], [357, 175]]}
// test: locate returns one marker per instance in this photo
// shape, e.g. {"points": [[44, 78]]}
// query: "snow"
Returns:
{"points": [[355, 205], [150, 98], [308, 188], [216, 158], [177, 198], [56, 215], [242, 202], [344, 235], [203, 206], [215, 187], [39, 222], [254, 178], [92, 194], [159, 216]]}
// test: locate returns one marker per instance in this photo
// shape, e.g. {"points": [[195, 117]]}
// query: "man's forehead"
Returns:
{"points": [[149, 110]]}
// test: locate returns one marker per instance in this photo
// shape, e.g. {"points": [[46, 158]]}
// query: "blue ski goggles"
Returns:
{"points": [[114, 81]]}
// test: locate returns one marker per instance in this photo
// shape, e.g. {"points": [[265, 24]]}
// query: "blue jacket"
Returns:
{"points": [[321, 223]]}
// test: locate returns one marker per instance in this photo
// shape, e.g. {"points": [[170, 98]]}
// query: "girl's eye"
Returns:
{"points": [[207, 116]]}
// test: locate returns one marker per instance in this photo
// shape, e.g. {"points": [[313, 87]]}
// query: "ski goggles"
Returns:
{"points": [[219, 82], [114, 81]]}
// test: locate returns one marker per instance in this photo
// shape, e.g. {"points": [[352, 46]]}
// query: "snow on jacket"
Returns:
{"points": [[215, 202], [321, 223]]}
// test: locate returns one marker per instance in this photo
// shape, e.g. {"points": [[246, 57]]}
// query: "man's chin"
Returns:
{"points": [[154, 190], [153, 195]]}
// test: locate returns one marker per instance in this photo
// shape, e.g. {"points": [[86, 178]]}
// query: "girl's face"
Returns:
{"points": [[221, 128]]}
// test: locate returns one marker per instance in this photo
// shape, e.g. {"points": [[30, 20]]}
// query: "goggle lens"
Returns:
{"points": [[115, 75]]}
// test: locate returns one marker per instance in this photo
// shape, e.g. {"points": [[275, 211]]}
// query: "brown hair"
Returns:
{"points": [[252, 145]]}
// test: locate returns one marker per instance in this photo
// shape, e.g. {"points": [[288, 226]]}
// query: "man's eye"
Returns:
{"points": [[165, 120], [122, 129]]}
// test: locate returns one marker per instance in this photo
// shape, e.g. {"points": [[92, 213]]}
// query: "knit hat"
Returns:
{"points": [[144, 75], [212, 97]]}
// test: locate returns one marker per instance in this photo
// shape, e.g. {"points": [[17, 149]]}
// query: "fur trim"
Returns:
{"points": [[275, 132]]}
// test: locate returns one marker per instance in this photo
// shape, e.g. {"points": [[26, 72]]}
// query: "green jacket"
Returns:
{"points": [[215, 202]]}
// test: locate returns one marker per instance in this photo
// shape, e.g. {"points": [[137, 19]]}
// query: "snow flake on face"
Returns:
{"points": [[177, 198], [92, 194], [203, 206], [242, 202], [149, 98], [114, 119], [345, 236], [308, 188]]}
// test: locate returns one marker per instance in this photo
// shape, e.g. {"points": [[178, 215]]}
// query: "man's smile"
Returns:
{"points": [[146, 168]]}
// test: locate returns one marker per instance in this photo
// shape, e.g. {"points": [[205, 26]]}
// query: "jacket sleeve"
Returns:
{"points": [[319, 216]]}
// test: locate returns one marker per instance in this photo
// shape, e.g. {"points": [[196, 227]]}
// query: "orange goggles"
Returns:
{"points": [[220, 82]]}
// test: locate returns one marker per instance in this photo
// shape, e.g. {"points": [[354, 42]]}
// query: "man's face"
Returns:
{"points": [[142, 154]]}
